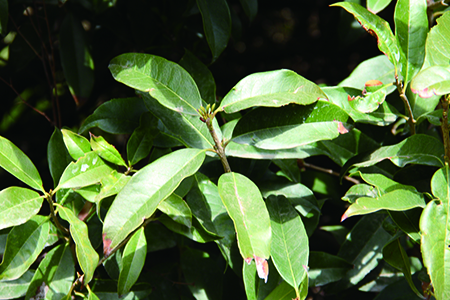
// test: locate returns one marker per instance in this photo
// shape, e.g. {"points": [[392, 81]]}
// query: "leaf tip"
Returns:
{"points": [[262, 267], [344, 217], [341, 128]]}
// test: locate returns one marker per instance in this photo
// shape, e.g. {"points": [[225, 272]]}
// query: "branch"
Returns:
{"points": [[401, 90], [302, 164]]}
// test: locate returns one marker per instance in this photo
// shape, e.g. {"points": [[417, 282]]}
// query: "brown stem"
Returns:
{"points": [[401, 90], [444, 128], [218, 147], [302, 164], [63, 229]]}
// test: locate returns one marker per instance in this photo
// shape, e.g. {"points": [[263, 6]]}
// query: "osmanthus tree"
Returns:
{"points": [[226, 173]]}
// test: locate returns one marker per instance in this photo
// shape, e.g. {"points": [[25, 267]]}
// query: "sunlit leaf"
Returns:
{"points": [[17, 288], [106, 151], [326, 268], [375, 6], [25, 242], [14, 161], [271, 89], [164, 80], [147, 188], [57, 155], [432, 81], [86, 255], [18, 205], [437, 46], [76, 144]]}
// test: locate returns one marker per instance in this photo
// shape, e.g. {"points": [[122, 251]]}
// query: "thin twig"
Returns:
{"points": [[26, 41], [25, 102], [401, 90], [302, 163], [444, 128]]}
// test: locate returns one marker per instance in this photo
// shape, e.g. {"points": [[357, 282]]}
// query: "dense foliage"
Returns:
{"points": [[221, 196]]}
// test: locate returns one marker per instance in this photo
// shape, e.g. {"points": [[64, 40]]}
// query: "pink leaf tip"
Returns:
{"points": [[262, 267]]}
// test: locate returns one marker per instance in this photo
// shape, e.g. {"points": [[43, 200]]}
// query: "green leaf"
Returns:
{"points": [[326, 268], [54, 276], [282, 292], [271, 89], [400, 290], [290, 246], [14, 161], [255, 287], [24, 244], [86, 255], [76, 60], [18, 205], [411, 28], [141, 141], [106, 289], [116, 116], [201, 270], [379, 28], [188, 129], [370, 102], [133, 261], [395, 255], [158, 237], [216, 24], [375, 6], [291, 126], [76, 144], [111, 185], [436, 234], [147, 188], [57, 155], [250, 8], [164, 80], [363, 248], [246, 207], [375, 68], [417, 149], [106, 151], [196, 232], [177, 209], [421, 107], [87, 170], [432, 81], [3, 16], [390, 195], [408, 221], [201, 74], [16, 288], [437, 46], [384, 115]]}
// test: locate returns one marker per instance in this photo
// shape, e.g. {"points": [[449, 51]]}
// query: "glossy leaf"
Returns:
{"points": [[148, 188], [57, 155], [216, 24], [188, 129], [290, 247], [417, 149], [18, 205], [25, 242], [389, 195], [437, 46], [411, 28], [282, 292], [141, 141], [133, 261], [271, 89], [375, 68], [106, 151], [375, 6], [111, 185], [117, 116], [326, 268], [201, 74], [76, 60], [86, 255], [16, 288], [379, 28], [87, 170], [201, 270], [76, 144], [408, 221], [363, 248], [432, 81], [396, 256], [291, 126], [436, 234], [177, 209], [164, 80], [369, 103], [14, 161], [246, 207], [54, 276]]}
